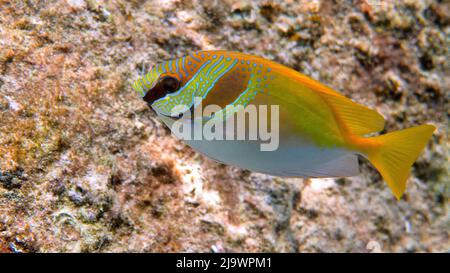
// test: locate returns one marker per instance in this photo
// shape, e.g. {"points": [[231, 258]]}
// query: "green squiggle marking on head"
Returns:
{"points": [[199, 85]]}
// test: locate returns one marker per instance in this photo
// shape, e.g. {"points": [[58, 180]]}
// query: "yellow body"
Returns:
{"points": [[308, 109]]}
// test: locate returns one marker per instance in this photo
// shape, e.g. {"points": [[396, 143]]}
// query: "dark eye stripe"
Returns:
{"points": [[169, 84]]}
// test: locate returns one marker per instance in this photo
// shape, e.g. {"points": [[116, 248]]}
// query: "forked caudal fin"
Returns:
{"points": [[396, 152]]}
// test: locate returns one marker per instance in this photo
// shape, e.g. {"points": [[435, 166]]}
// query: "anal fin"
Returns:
{"points": [[343, 166]]}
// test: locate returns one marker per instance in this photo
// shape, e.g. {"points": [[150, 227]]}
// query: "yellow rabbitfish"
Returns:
{"points": [[321, 132]]}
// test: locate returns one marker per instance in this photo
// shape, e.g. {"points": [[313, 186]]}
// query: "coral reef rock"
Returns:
{"points": [[85, 166]]}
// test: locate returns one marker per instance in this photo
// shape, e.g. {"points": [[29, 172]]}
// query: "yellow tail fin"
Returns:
{"points": [[396, 153]]}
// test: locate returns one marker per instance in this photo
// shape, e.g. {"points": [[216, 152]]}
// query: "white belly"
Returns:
{"points": [[290, 161], [295, 157]]}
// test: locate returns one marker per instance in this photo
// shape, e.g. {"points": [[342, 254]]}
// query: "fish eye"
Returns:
{"points": [[169, 84]]}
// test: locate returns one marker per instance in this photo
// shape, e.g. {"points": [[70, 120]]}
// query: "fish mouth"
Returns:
{"points": [[153, 95], [174, 116]]}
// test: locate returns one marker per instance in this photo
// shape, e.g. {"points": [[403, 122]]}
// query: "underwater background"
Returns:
{"points": [[85, 165]]}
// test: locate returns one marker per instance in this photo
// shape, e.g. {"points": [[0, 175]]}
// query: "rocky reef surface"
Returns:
{"points": [[85, 166]]}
